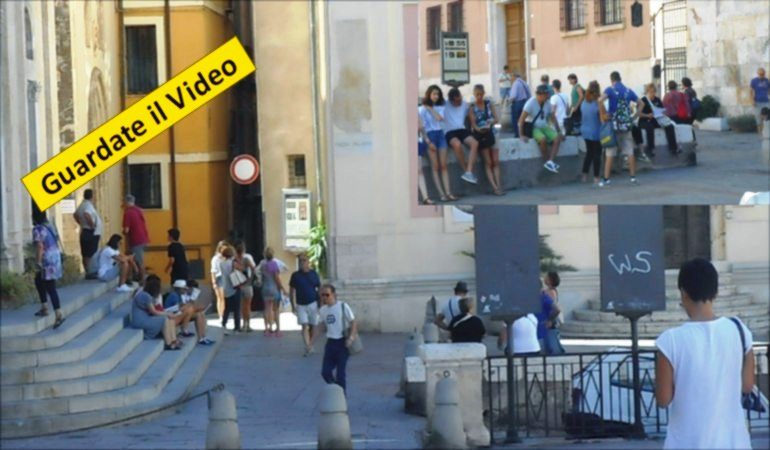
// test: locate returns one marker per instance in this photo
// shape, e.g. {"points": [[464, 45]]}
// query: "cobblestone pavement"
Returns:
{"points": [[729, 165], [277, 392]]}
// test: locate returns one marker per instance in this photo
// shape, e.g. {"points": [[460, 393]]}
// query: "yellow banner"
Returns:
{"points": [[138, 124]]}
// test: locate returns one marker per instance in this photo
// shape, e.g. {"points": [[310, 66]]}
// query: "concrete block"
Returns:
{"points": [[56, 389], [445, 430], [334, 424], [33, 408], [11, 393], [714, 124]]}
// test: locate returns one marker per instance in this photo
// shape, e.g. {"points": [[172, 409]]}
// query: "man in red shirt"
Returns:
{"points": [[135, 229]]}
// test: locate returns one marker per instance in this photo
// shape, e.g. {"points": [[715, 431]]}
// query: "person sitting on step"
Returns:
{"points": [[146, 317], [113, 265], [178, 300]]}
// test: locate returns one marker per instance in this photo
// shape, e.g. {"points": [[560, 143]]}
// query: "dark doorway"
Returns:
{"points": [[687, 231]]}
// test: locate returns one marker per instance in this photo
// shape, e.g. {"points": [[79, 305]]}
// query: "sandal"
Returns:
{"points": [[452, 198], [59, 321], [42, 313], [171, 347], [428, 201]]}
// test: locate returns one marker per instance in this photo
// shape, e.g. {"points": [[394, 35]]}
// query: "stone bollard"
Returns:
{"points": [[334, 425], [430, 333], [411, 347], [765, 152], [222, 431], [445, 429]]}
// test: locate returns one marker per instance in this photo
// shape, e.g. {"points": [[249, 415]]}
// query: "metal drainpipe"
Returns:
{"points": [[122, 71], [171, 134]]}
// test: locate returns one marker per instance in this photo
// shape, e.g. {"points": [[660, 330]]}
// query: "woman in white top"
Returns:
{"points": [[432, 115], [524, 339], [114, 265], [247, 290], [216, 278], [702, 369]]}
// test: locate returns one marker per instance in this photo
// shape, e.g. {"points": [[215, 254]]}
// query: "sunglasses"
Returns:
{"points": [[326, 295]]}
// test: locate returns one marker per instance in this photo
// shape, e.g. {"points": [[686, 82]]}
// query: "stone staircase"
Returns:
{"points": [[591, 322], [91, 371]]}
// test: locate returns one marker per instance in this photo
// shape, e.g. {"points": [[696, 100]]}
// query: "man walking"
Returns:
{"points": [[451, 308], [335, 316], [622, 119], [135, 229], [91, 228], [519, 95], [759, 96], [304, 285]]}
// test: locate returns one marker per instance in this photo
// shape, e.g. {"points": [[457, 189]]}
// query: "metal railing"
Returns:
{"points": [[585, 395]]}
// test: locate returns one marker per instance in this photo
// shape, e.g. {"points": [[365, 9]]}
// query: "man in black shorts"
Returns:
{"points": [[90, 230]]}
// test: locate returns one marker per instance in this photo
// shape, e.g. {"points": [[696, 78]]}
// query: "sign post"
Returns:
{"points": [[632, 272], [507, 257], [455, 59]]}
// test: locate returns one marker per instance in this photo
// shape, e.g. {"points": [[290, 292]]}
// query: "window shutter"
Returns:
{"points": [[598, 13], [563, 15]]}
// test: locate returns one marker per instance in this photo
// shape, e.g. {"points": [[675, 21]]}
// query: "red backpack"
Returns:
{"points": [[683, 108]]}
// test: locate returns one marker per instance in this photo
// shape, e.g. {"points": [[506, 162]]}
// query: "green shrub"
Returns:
{"points": [[709, 107], [745, 123], [16, 289]]}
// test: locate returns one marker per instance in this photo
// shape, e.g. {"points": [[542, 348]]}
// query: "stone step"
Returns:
{"points": [[731, 302], [143, 388], [23, 322], [670, 315], [75, 324], [759, 326], [126, 373], [80, 348], [189, 369]]}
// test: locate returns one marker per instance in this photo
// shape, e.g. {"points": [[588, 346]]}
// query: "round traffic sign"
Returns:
{"points": [[244, 169]]}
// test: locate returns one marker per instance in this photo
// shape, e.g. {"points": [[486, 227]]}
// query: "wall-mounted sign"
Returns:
{"points": [[632, 261], [244, 169], [455, 59], [507, 257], [296, 219]]}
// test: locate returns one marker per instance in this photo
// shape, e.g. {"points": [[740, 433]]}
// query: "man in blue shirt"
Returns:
{"points": [[622, 122], [304, 285], [759, 95], [519, 94]]}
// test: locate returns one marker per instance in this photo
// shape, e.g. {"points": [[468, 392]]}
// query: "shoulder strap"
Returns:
{"points": [[450, 309], [526, 88], [743, 336], [562, 100]]}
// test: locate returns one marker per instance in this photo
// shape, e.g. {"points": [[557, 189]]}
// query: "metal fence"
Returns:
{"points": [[584, 395]]}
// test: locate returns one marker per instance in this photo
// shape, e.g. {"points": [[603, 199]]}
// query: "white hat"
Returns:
{"points": [[180, 284]]}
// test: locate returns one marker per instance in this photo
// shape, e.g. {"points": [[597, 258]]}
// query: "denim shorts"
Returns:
{"points": [[437, 138]]}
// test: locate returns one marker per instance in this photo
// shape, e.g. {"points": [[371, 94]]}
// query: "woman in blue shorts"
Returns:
{"points": [[422, 150], [432, 115]]}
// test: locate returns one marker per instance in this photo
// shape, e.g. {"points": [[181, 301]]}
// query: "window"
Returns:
{"points": [[141, 59], [455, 13], [575, 11], [434, 27], [28, 35], [144, 184], [609, 12], [297, 174]]}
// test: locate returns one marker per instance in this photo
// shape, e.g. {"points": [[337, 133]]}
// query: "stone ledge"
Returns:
{"points": [[459, 353]]}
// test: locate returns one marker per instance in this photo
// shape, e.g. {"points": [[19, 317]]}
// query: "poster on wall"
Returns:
{"points": [[455, 59], [296, 219], [632, 264]]}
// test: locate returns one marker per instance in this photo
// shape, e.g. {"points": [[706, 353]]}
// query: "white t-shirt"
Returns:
{"points": [[454, 116], [215, 265], [505, 80], [532, 107], [525, 335], [249, 263], [428, 120], [451, 309], [332, 317], [706, 410], [106, 260], [560, 104], [87, 208]]}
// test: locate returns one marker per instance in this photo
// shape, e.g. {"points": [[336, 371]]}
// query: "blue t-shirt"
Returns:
{"points": [[591, 124], [761, 87], [546, 309], [625, 92], [171, 299], [306, 284]]}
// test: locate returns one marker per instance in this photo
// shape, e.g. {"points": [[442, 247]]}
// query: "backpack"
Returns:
{"points": [[682, 109], [622, 120]]}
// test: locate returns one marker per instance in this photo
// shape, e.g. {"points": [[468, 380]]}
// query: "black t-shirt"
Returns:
{"points": [[467, 329], [179, 270]]}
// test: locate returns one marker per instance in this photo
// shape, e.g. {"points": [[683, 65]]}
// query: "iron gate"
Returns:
{"points": [[674, 41]]}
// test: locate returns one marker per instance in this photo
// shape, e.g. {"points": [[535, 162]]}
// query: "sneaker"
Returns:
{"points": [[644, 158], [550, 166], [470, 178], [634, 181], [556, 164], [604, 182], [206, 341], [124, 288]]}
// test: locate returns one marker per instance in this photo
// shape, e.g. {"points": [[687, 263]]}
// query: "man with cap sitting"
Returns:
{"points": [[179, 300], [452, 307]]}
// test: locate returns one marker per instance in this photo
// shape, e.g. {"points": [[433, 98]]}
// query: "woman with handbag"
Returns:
{"points": [[272, 290], [247, 290], [483, 117], [232, 279], [705, 367], [48, 259]]}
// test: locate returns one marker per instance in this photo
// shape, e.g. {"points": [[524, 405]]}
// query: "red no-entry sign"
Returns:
{"points": [[244, 169]]}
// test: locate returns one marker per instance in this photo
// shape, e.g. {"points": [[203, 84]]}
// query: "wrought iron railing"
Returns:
{"points": [[584, 395]]}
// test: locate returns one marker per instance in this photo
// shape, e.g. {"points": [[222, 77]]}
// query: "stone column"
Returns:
{"points": [[464, 363]]}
